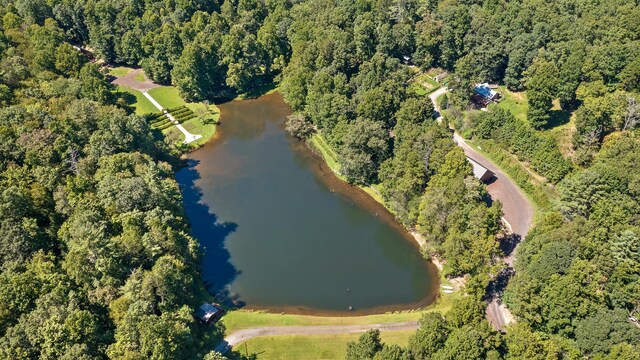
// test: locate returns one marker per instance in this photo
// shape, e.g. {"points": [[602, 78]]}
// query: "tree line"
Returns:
{"points": [[90, 179], [96, 257]]}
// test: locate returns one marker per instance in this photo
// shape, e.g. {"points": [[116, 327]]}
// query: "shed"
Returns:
{"points": [[209, 313], [480, 172], [438, 78]]}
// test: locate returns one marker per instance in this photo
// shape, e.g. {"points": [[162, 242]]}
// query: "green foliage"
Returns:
{"points": [[366, 347], [542, 152], [366, 145], [606, 328], [95, 255], [575, 276], [299, 126], [430, 337], [456, 220], [541, 88]]}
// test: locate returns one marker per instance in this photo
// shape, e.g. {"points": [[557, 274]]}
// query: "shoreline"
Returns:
{"points": [[414, 234]]}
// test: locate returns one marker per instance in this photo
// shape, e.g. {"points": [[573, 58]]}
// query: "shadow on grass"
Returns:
{"points": [[217, 270], [558, 118], [127, 97]]}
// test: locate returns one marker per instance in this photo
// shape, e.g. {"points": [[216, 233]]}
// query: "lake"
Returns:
{"points": [[282, 232]]}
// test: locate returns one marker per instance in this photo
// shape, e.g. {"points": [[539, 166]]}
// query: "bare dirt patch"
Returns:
{"points": [[135, 79]]}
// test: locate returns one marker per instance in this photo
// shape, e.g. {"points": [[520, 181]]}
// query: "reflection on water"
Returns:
{"points": [[282, 232]]}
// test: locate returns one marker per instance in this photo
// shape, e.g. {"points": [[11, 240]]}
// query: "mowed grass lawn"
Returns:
{"points": [[169, 97], [203, 124], [311, 347], [120, 71], [142, 105], [245, 319]]}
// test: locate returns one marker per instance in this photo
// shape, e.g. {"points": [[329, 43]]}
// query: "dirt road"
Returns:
{"points": [[244, 335]]}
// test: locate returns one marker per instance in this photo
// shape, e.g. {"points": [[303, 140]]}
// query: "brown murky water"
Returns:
{"points": [[282, 233]]}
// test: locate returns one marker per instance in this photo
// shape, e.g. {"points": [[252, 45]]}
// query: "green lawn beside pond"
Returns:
{"points": [[315, 347], [167, 96]]}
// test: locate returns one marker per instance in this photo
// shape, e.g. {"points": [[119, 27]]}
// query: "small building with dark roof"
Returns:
{"points": [[484, 94], [209, 313], [480, 172]]}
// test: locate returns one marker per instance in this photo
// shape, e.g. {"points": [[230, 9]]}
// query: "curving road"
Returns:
{"points": [[517, 210], [246, 334], [518, 213]]}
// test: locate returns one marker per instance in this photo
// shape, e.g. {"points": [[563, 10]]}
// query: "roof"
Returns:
{"points": [[479, 171], [485, 91], [206, 311]]}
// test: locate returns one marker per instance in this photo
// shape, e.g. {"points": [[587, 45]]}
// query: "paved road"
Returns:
{"points": [[517, 210], [244, 335]]}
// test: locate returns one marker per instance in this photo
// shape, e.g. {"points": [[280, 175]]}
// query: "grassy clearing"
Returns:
{"points": [[135, 98], [330, 156], [203, 124], [312, 347], [319, 346], [516, 102], [120, 71], [422, 84], [246, 319], [563, 135], [434, 71], [167, 96]]}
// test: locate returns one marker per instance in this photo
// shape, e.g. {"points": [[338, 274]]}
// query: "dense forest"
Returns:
{"points": [[97, 260]]}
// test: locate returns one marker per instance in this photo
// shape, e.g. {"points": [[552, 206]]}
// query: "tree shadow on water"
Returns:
{"points": [[217, 270]]}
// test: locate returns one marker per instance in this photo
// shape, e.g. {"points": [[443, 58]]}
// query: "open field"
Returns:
{"points": [[516, 102], [312, 347], [141, 104], [167, 96]]}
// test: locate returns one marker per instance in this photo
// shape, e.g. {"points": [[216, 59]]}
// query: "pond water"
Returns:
{"points": [[281, 232]]}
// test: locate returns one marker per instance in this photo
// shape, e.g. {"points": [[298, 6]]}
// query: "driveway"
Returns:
{"points": [[517, 214], [517, 210]]}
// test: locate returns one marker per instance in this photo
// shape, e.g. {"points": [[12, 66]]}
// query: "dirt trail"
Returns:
{"points": [[246, 334]]}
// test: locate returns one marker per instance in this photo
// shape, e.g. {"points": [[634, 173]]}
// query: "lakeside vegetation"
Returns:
{"points": [[94, 245]]}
